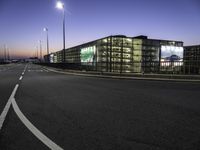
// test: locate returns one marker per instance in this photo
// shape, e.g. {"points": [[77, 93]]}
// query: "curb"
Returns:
{"points": [[121, 77]]}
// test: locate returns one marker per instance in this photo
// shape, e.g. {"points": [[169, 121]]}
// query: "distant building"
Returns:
{"points": [[124, 54], [192, 59], [32, 60]]}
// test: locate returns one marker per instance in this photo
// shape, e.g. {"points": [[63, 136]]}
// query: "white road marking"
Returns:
{"points": [[48, 142], [6, 108], [21, 78], [45, 70], [36, 70], [33, 129], [22, 73]]}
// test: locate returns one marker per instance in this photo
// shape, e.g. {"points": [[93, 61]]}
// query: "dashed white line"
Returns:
{"points": [[48, 142], [21, 78], [7, 107]]}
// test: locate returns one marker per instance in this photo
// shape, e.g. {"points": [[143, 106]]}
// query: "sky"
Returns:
{"points": [[22, 22]]}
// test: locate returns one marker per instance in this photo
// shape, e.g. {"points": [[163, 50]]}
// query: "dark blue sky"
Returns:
{"points": [[22, 21]]}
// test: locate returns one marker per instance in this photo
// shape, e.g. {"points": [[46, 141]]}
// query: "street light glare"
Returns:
{"points": [[59, 5], [45, 29]]}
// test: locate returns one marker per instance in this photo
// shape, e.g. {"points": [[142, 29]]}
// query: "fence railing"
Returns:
{"points": [[131, 67]]}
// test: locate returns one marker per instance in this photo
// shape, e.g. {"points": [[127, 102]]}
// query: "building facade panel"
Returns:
{"points": [[121, 54], [192, 59]]}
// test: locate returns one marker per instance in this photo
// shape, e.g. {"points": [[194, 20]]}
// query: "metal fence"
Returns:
{"points": [[175, 67]]}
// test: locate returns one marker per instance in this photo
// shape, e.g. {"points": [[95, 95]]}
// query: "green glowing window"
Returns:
{"points": [[88, 54]]}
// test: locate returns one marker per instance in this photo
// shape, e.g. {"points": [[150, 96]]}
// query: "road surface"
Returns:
{"points": [[88, 113]]}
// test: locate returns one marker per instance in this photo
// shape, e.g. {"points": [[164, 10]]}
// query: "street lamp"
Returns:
{"points": [[46, 30], [36, 52], [5, 53], [40, 43], [60, 5]]}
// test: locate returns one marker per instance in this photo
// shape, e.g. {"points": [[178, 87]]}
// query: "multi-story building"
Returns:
{"points": [[192, 59], [125, 54]]}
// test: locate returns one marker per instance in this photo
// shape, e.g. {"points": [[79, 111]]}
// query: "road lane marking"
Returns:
{"points": [[24, 70], [45, 70], [48, 142], [7, 107], [21, 78], [44, 139]]}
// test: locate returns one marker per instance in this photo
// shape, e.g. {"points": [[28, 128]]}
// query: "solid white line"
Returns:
{"points": [[21, 78], [49, 143], [33, 129], [7, 107]]}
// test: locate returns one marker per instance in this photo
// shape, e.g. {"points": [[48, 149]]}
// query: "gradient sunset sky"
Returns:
{"points": [[22, 22]]}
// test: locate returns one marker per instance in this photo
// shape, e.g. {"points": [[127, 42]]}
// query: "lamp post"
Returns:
{"points": [[40, 50], [5, 49], [36, 52], [60, 5], [46, 30]]}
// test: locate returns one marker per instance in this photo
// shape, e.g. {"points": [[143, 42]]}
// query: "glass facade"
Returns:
{"points": [[119, 54], [192, 59]]}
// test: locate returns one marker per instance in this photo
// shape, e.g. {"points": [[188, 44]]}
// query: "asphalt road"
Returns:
{"points": [[87, 113], [9, 75]]}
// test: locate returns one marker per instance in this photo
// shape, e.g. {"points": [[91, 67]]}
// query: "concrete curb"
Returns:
{"points": [[121, 77]]}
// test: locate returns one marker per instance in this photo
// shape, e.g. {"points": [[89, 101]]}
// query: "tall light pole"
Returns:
{"points": [[8, 54], [46, 30], [37, 52], [5, 52], [60, 5], [40, 50]]}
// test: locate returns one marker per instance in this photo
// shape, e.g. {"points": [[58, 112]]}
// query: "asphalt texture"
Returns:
{"points": [[89, 113], [9, 75]]}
